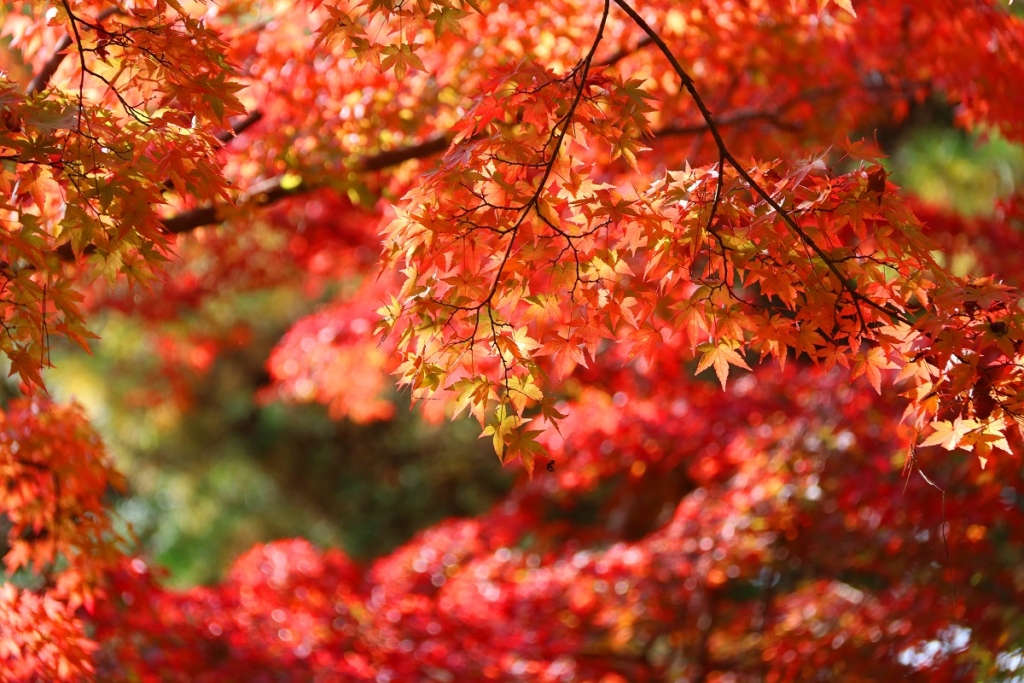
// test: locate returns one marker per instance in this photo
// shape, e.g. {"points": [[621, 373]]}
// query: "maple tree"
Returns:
{"points": [[585, 207]]}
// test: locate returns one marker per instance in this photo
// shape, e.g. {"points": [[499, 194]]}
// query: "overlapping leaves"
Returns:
{"points": [[520, 264]]}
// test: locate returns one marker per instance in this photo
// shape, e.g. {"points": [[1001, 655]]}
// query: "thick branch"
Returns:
{"points": [[265, 193], [239, 127], [272, 191]]}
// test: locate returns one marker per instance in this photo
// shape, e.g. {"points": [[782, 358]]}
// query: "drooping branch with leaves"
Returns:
{"points": [[521, 261]]}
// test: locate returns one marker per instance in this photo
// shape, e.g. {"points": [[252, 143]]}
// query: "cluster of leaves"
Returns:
{"points": [[85, 163], [516, 248], [603, 223], [762, 534], [58, 533]]}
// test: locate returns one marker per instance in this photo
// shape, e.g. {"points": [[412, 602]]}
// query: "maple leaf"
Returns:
{"points": [[523, 444], [401, 58], [693, 316], [447, 20], [519, 345], [949, 434], [473, 393], [521, 391], [871, 364], [567, 352], [20, 555], [721, 356], [502, 430]]}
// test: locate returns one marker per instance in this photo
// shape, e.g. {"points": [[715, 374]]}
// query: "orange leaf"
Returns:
{"points": [[720, 356]]}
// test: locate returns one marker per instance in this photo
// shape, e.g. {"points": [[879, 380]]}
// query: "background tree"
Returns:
{"points": [[634, 243]]}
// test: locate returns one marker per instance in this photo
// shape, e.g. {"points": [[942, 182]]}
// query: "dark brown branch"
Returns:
{"points": [[239, 127], [271, 191], [774, 115], [429, 147], [267, 192]]}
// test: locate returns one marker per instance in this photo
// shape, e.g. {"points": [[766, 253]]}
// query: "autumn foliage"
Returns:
{"points": [[767, 430]]}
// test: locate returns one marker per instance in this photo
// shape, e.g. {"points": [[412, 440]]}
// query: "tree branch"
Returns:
{"points": [[691, 88], [42, 79], [271, 190], [239, 127]]}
